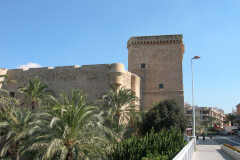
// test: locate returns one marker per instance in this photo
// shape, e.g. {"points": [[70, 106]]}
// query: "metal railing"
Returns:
{"points": [[187, 152]]}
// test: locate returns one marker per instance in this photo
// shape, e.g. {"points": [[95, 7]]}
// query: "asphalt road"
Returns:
{"points": [[232, 140]]}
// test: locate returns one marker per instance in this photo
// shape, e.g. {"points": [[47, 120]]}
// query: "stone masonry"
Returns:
{"points": [[94, 80], [156, 60]]}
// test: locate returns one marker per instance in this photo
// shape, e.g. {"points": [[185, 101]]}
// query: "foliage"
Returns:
{"points": [[165, 144], [151, 156], [165, 114], [69, 128], [15, 128], [230, 118], [120, 111], [34, 92], [7, 80], [6, 102], [71, 132]]}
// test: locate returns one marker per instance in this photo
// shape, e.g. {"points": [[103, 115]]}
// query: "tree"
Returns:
{"points": [[72, 132], [6, 80], [230, 118], [6, 102], [165, 114], [15, 128], [120, 110], [34, 92]]}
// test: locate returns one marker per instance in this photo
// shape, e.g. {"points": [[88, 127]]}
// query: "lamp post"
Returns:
{"points": [[193, 107]]}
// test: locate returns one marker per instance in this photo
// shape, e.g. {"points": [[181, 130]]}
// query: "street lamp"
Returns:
{"points": [[193, 107]]}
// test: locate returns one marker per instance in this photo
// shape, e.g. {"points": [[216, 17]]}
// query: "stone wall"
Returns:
{"points": [[158, 62], [94, 80], [2, 78]]}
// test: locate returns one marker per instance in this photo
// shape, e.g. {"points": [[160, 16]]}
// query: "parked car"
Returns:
{"points": [[223, 133], [235, 131]]}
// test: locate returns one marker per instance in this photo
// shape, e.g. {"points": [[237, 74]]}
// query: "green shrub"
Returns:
{"points": [[164, 144], [165, 114], [151, 156], [7, 158]]}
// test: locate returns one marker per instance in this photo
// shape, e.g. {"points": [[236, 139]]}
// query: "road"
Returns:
{"points": [[210, 148], [232, 140]]}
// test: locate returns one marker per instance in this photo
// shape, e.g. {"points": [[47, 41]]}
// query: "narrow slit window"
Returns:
{"points": [[143, 65], [12, 94], [160, 86]]}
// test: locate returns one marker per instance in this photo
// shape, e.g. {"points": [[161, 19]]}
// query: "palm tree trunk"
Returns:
{"points": [[33, 105], [69, 156], [18, 156]]}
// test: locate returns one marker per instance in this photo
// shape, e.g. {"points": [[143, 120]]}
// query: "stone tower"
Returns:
{"points": [[158, 62]]}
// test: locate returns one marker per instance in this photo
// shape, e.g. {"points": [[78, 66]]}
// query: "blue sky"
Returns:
{"points": [[68, 32]]}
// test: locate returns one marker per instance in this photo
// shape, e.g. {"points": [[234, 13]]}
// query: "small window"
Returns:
{"points": [[143, 65], [12, 94], [160, 86]]}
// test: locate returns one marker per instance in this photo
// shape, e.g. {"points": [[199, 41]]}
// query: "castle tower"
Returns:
{"points": [[157, 60]]}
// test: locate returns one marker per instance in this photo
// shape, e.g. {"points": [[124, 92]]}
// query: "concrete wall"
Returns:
{"points": [[94, 80], [162, 56]]}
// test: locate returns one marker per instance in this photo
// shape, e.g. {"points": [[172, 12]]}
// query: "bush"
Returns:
{"points": [[165, 114], [165, 145], [155, 157]]}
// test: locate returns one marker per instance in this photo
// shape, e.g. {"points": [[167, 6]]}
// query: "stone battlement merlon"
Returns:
{"points": [[83, 67], [153, 40], [92, 67]]}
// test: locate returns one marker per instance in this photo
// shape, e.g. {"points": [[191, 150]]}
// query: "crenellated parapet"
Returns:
{"points": [[156, 40], [158, 61], [95, 80]]}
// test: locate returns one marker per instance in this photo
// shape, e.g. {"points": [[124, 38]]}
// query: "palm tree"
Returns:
{"points": [[72, 132], [120, 107], [230, 118], [6, 80], [14, 130], [34, 92], [6, 102]]}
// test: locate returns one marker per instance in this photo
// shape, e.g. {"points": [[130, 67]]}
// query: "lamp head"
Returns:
{"points": [[196, 57]]}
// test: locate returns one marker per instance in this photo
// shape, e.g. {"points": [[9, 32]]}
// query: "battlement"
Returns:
{"points": [[64, 72], [84, 67], [158, 61], [155, 40], [94, 80]]}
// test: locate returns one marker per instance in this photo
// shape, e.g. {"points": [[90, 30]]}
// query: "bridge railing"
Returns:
{"points": [[187, 152]]}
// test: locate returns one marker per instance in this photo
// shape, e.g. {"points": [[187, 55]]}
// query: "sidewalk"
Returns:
{"points": [[209, 150]]}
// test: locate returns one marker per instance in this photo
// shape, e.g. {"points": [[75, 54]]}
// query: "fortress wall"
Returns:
{"points": [[135, 84], [94, 80], [2, 73]]}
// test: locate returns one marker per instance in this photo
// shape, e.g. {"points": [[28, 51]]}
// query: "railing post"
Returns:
{"points": [[187, 152], [195, 144]]}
